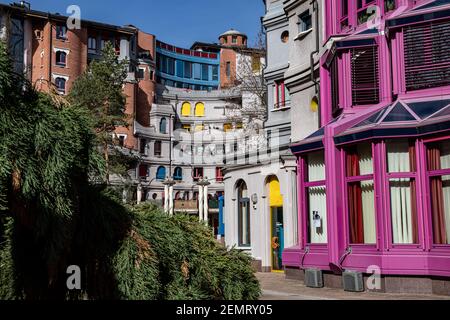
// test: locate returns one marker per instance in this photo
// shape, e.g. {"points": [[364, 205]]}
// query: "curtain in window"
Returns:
{"points": [[440, 195], [317, 199], [355, 200], [401, 159]]}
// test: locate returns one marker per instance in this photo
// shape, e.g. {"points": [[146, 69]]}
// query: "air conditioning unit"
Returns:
{"points": [[313, 278], [353, 281]]}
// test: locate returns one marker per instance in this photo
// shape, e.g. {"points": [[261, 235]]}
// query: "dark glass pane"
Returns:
{"points": [[427, 108], [399, 113]]}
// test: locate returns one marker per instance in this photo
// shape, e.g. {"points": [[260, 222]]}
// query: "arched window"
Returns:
{"points": [[158, 147], [186, 109], [61, 58], [163, 126], [178, 174], [60, 84], [200, 110], [161, 173], [243, 215]]}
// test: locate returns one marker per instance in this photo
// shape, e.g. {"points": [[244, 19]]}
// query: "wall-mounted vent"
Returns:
{"points": [[353, 281], [313, 278]]}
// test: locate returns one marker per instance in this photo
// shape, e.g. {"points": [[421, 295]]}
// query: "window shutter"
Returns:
{"points": [[427, 55], [365, 77]]}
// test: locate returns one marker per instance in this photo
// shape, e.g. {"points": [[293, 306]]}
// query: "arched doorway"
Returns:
{"points": [[276, 223]]}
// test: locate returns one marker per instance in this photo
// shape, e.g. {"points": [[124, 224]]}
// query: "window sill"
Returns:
{"points": [[303, 34], [281, 109]]}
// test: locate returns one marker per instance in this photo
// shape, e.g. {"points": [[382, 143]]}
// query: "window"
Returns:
{"points": [[200, 110], [140, 74], [61, 32], [427, 53], [438, 158], [187, 70], [143, 171], [304, 21], [163, 126], [121, 139], [389, 5], [61, 58], [256, 63], [103, 44], [186, 109], [228, 69], [187, 127], [361, 194], [197, 71], [171, 66], [161, 173], [198, 174], [234, 39], [401, 160], [365, 78], [316, 198], [205, 72], [215, 73], [219, 174], [282, 97], [143, 146], [344, 14], [285, 36], [60, 84], [244, 239], [92, 44], [180, 68], [178, 174], [158, 147], [365, 10]]}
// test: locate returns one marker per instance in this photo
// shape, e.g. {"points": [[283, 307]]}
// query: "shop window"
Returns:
{"points": [[158, 147], [200, 109], [438, 158], [186, 109], [178, 174], [315, 191], [244, 235], [161, 173], [61, 58], [427, 53], [361, 194], [365, 78], [401, 160]]}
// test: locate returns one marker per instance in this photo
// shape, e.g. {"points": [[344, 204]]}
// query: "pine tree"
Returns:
{"points": [[100, 90]]}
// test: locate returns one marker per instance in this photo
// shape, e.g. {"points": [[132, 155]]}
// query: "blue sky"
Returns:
{"points": [[179, 22]]}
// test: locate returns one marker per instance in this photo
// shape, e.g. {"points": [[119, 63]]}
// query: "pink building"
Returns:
{"points": [[374, 181]]}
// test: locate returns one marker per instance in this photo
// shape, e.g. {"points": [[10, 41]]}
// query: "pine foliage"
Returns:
{"points": [[53, 216]]}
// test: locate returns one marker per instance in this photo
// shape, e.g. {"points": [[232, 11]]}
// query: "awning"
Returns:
{"points": [[411, 118]]}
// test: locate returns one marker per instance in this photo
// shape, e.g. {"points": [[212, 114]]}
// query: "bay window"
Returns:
{"points": [[365, 78], [438, 165], [361, 194], [401, 163], [316, 198]]}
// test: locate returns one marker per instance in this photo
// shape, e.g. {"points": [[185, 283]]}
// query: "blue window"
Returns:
{"points": [[61, 58], [215, 73], [163, 126], [170, 66], [197, 71], [60, 84], [164, 64], [205, 72], [180, 68], [178, 174], [187, 70], [61, 32], [161, 173]]}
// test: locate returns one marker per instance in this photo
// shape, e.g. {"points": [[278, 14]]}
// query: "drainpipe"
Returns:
{"points": [[315, 5]]}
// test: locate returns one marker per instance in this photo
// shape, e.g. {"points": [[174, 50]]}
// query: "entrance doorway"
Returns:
{"points": [[277, 225]]}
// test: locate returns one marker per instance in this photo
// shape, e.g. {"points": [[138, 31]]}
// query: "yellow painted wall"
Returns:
{"points": [[200, 110], [186, 109], [275, 197]]}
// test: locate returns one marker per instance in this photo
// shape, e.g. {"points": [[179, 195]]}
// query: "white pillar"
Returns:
{"points": [[205, 204], [166, 198], [171, 200], [200, 203], [139, 194]]}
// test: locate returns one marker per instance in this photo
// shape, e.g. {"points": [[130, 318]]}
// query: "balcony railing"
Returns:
{"points": [[186, 205]]}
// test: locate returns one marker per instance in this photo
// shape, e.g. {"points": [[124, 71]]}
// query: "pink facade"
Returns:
{"points": [[379, 163]]}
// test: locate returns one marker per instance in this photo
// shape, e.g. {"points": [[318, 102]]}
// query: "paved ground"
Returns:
{"points": [[276, 287]]}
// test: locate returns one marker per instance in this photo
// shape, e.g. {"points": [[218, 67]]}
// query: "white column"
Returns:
{"points": [[166, 198], [205, 204], [171, 200], [200, 203], [139, 194]]}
